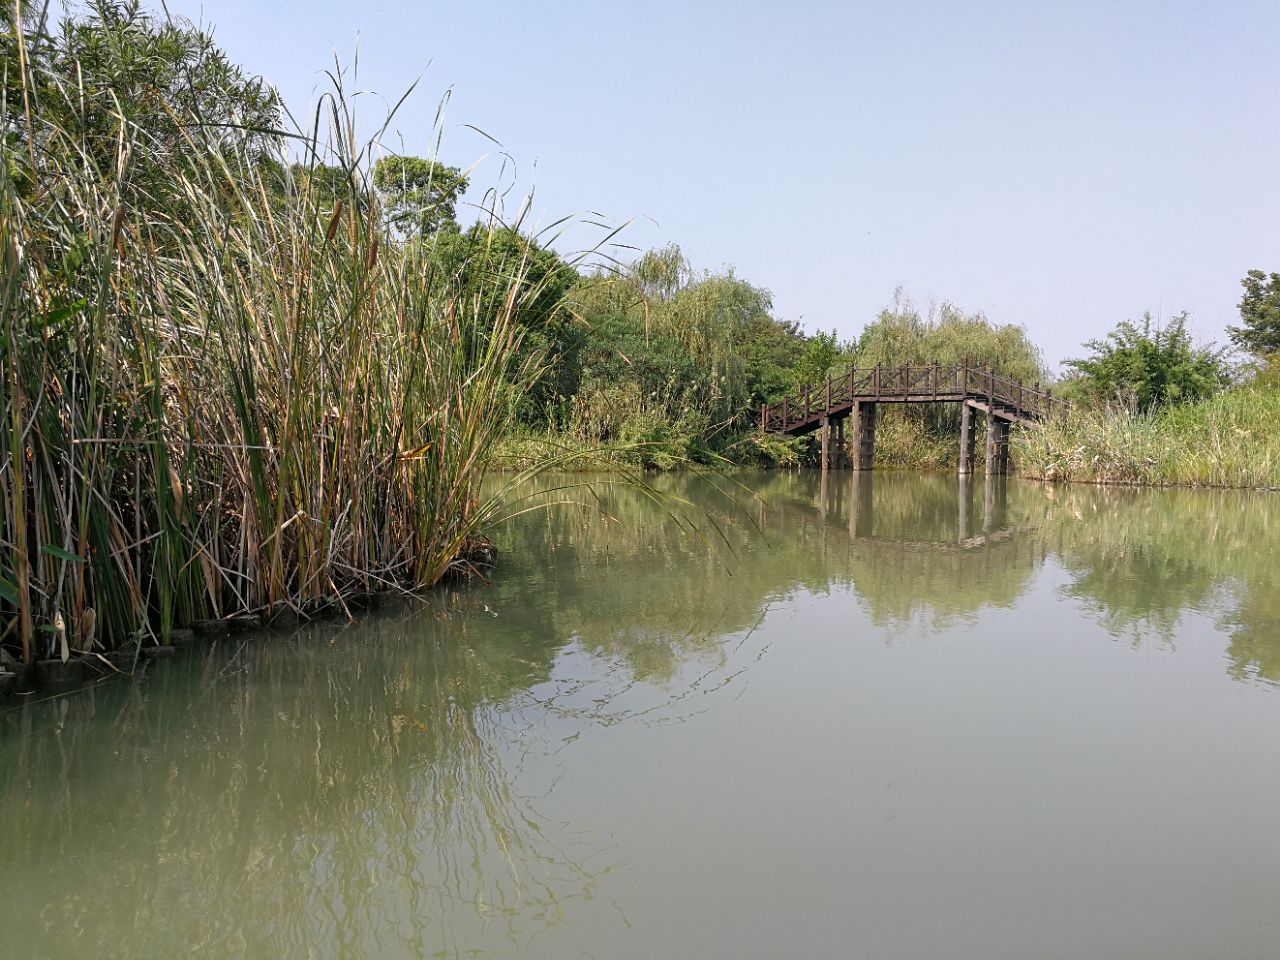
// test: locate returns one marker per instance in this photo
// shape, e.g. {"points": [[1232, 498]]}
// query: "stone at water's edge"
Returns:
{"points": [[284, 615], [59, 673], [478, 556], [122, 659]]}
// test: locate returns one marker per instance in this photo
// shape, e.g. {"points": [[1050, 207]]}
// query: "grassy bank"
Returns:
{"points": [[1230, 440], [660, 449]]}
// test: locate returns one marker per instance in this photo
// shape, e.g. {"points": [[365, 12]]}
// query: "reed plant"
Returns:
{"points": [[226, 390], [1230, 440]]}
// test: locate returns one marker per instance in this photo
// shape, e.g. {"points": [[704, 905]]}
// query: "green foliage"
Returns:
{"points": [[1259, 332], [820, 357], [325, 184], [659, 274], [493, 269], [638, 394], [712, 317], [768, 450], [1149, 365], [419, 197], [159, 85], [771, 351], [672, 356], [617, 362]]}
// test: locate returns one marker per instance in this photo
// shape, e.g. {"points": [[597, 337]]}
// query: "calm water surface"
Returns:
{"points": [[880, 717]]}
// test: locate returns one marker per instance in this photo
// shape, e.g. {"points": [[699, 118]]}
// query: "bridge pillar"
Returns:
{"points": [[968, 438], [826, 444], [866, 454], [997, 446]]}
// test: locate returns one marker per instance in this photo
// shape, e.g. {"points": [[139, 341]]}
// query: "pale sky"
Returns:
{"points": [[1061, 165]]}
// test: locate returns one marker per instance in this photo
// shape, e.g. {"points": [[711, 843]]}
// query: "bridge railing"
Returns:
{"points": [[911, 383]]}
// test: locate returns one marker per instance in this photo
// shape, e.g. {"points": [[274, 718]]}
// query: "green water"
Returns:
{"points": [[884, 717]]}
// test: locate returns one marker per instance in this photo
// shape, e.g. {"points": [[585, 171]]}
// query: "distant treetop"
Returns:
{"points": [[1259, 331]]}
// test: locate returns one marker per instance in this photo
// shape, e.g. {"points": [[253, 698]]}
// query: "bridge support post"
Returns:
{"points": [[997, 446], [826, 444], [866, 454], [968, 438]]}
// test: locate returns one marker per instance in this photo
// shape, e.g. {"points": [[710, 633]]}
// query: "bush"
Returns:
{"points": [[1148, 366]]}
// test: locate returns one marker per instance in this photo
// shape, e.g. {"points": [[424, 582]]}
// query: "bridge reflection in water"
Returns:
{"points": [[979, 518]]}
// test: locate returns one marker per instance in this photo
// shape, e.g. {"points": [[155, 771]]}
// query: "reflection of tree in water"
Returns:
{"points": [[921, 551], [630, 582], [1254, 650], [362, 801], [1142, 558]]}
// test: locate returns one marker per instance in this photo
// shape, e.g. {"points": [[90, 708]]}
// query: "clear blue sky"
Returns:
{"points": [[1061, 165]]}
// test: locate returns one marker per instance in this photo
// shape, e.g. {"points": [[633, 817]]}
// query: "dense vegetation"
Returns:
{"points": [[240, 373], [673, 364], [1152, 407], [1148, 366], [254, 368]]}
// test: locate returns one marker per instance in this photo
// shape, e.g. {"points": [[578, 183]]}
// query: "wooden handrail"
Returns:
{"points": [[915, 384]]}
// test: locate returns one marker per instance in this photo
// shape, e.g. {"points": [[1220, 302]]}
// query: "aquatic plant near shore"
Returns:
{"points": [[1231, 440], [235, 394]]}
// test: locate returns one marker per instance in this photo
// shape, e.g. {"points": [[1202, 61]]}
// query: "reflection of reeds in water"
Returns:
{"points": [[287, 796]]}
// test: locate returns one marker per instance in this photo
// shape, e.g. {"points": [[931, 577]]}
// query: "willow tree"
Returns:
{"points": [[902, 336], [712, 318]]}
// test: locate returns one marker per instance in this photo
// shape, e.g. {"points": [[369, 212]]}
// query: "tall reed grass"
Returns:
{"points": [[245, 396], [1231, 440]]}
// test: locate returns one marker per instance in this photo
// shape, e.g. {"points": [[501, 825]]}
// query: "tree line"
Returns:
{"points": [[653, 355]]}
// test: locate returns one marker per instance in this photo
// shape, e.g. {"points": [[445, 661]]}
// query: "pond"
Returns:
{"points": [[778, 715]]}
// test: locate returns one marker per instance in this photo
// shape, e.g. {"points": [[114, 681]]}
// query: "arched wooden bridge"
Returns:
{"points": [[859, 391]]}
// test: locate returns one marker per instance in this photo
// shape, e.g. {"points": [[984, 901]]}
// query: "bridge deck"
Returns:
{"points": [[1001, 397]]}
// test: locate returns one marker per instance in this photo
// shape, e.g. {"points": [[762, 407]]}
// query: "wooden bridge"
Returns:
{"points": [[858, 393]]}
